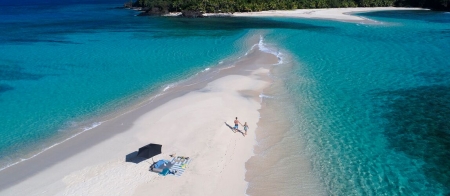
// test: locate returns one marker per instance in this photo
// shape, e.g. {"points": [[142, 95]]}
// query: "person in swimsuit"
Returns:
{"points": [[245, 128], [236, 125]]}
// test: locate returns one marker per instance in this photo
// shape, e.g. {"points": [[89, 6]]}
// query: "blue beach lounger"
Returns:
{"points": [[164, 172], [160, 165]]}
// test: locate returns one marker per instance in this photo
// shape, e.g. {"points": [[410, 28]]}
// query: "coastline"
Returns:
{"points": [[339, 14], [80, 165], [93, 162], [281, 164]]}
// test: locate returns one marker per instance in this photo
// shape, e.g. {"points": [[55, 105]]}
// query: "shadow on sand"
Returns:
{"points": [[133, 158], [234, 130]]}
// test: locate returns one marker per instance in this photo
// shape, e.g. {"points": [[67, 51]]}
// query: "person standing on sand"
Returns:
{"points": [[245, 128], [236, 125]]}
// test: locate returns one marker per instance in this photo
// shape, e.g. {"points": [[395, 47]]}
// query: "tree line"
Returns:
{"points": [[231, 6]]}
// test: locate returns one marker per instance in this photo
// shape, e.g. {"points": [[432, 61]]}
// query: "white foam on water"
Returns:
{"points": [[262, 96], [265, 96], [264, 48], [169, 86], [95, 124], [184, 82], [224, 68], [251, 49]]}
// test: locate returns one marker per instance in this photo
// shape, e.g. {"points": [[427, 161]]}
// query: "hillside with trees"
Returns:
{"points": [[231, 6]]}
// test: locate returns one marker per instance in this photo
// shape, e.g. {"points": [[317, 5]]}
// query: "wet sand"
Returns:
{"points": [[281, 165]]}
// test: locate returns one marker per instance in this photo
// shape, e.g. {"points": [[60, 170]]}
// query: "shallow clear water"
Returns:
{"points": [[374, 102], [371, 102]]}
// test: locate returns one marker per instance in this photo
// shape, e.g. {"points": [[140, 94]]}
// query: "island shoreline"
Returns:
{"points": [[336, 14], [57, 170]]}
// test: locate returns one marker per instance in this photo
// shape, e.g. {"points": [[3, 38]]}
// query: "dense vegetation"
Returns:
{"points": [[230, 6]]}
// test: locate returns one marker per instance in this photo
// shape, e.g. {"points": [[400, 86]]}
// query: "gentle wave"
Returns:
{"points": [[262, 47], [169, 87], [263, 96], [266, 96]]}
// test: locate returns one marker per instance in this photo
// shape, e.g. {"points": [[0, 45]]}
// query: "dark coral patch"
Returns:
{"points": [[419, 126]]}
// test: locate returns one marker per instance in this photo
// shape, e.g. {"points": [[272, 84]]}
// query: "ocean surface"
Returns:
{"points": [[371, 103]]}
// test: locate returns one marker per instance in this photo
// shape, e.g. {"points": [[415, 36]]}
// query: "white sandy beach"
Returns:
{"points": [[190, 125], [341, 14]]}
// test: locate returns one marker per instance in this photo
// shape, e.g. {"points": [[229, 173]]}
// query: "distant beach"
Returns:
{"points": [[340, 14]]}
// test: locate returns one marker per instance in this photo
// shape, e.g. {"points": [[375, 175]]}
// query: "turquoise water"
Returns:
{"points": [[371, 101], [61, 65], [374, 102]]}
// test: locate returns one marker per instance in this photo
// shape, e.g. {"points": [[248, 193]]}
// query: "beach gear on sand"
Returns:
{"points": [[176, 166], [164, 172], [180, 164], [160, 165], [167, 171], [149, 150]]}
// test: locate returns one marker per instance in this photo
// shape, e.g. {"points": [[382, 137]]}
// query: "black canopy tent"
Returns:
{"points": [[149, 151]]}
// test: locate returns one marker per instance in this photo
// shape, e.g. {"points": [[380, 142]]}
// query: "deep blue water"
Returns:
{"points": [[371, 101]]}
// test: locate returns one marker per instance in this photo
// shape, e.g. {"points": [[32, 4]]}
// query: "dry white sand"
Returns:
{"points": [[190, 125], [341, 14]]}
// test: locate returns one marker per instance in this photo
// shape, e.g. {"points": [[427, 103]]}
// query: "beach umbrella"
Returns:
{"points": [[149, 151]]}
